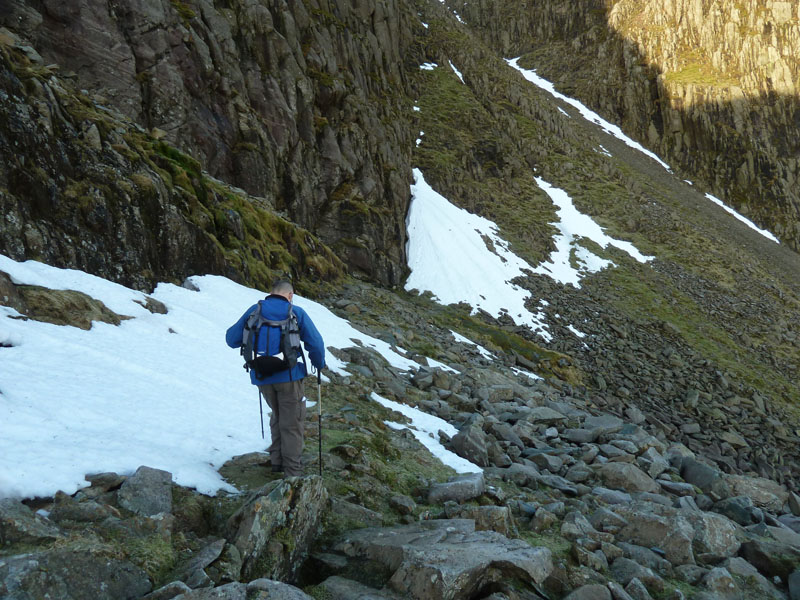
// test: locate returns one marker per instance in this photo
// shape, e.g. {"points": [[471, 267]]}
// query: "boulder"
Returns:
{"points": [[593, 591], [19, 524], [772, 559], [612, 496], [459, 489], [447, 559], [147, 492], [624, 570], [356, 513], [169, 591], [192, 571], [715, 536], [403, 504], [764, 493], [657, 526], [794, 586], [470, 443], [739, 509], [70, 575], [87, 511], [490, 518], [275, 527], [720, 582], [520, 474], [627, 477], [545, 415], [576, 526], [652, 463], [761, 586], [559, 483], [707, 478], [637, 590], [604, 424], [339, 588], [604, 519]]}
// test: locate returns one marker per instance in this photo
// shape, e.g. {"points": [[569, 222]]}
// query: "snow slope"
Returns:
{"points": [[157, 390]]}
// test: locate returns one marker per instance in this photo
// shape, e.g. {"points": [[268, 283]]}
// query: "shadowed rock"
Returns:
{"points": [[70, 575], [447, 559], [19, 524]]}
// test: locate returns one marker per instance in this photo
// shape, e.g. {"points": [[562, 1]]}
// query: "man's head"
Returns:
{"points": [[284, 288]]}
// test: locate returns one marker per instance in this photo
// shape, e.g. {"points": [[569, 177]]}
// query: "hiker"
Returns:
{"points": [[282, 388]]}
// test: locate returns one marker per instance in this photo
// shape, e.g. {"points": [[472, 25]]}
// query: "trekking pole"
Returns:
{"points": [[319, 416], [261, 412]]}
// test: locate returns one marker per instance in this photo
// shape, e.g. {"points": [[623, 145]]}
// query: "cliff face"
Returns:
{"points": [[302, 104], [82, 186], [709, 85]]}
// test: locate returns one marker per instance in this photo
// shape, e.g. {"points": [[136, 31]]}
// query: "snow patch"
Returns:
{"points": [[157, 390], [767, 234], [590, 115], [460, 257], [426, 429]]}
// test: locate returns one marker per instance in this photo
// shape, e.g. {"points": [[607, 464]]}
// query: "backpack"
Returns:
{"points": [[288, 348]]}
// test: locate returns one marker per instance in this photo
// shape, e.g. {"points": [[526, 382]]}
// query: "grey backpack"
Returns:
{"points": [[288, 347]]}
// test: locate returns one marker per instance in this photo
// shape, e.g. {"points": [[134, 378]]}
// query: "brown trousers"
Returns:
{"points": [[286, 425]]}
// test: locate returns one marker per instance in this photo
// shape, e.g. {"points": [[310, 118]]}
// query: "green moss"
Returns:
{"points": [[558, 545], [317, 592], [153, 554], [183, 9]]}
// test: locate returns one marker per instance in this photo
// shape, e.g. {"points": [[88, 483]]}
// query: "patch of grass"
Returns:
{"points": [[183, 9], [559, 546], [153, 554]]}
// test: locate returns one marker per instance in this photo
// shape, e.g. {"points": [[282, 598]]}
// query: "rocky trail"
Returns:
{"points": [[581, 495]]}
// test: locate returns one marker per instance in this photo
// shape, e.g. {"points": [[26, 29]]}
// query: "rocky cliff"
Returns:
{"points": [[302, 104], [709, 85]]}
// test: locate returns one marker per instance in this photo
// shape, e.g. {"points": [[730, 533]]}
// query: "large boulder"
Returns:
{"points": [[447, 559], [627, 477], [715, 536], [764, 493], [656, 526], [458, 489], [147, 492], [339, 588], [70, 575], [470, 443], [275, 527], [707, 478], [772, 559]]}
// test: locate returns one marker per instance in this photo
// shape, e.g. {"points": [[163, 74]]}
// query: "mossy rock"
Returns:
{"points": [[66, 307]]}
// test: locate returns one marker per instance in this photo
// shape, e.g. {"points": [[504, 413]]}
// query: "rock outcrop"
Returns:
{"points": [[712, 87], [302, 104]]}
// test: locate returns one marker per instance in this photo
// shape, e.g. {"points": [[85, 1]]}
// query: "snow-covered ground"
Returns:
{"points": [[460, 257], [157, 390], [448, 255]]}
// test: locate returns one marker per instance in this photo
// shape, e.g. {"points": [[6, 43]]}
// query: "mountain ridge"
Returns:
{"points": [[699, 348]]}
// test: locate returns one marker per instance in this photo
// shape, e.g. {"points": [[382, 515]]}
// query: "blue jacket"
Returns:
{"points": [[275, 308]]}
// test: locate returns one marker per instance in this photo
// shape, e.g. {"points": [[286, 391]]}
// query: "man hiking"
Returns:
{"points": [[277, 366]]}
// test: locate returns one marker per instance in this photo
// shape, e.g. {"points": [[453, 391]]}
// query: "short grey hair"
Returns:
{"points": [[282, 286]]}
